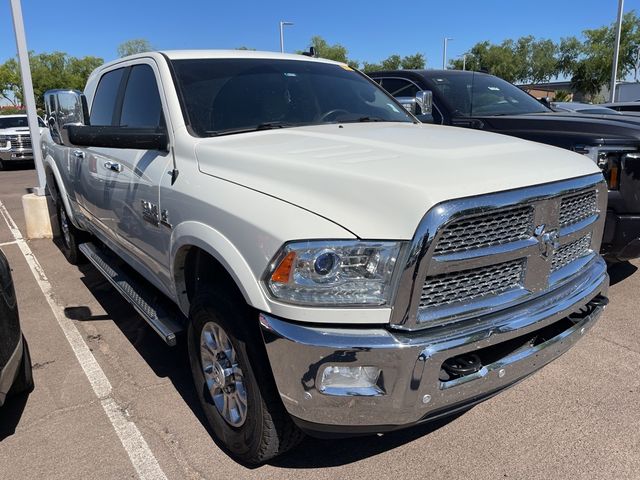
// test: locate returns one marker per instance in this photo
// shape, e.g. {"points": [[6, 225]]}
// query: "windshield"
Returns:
{"points": [[17, 122], [13, 122], [223, 96], [480, 94]]}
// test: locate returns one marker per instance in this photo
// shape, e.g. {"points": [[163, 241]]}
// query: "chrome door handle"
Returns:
{"points": [[78, 154], [115, 167]]}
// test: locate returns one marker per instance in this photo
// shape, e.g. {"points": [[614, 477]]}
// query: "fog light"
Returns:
{"points": [[345, 381]]}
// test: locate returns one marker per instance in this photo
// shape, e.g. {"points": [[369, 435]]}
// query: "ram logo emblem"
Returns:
{"points": [[548, 241]]}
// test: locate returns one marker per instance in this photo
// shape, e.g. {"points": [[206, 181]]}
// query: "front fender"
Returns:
{"points": [[54, 176], [210, 240]]}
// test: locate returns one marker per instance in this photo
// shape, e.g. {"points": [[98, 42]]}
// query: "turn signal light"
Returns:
{"points": [[282, 274], [614, 177]]}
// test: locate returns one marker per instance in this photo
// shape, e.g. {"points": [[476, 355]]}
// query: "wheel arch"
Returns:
{"points": [[56, 188], [201, 253]]}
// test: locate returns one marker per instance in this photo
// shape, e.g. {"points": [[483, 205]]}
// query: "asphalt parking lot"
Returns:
{"points": [[577, 418]]}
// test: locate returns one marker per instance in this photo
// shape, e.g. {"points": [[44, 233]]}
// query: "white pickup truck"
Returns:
{"points": [[338, 267]]}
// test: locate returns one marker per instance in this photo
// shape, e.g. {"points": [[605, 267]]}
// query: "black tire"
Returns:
{"points": [[24, 379], [1, 165], [70, 237], [267, 430]]}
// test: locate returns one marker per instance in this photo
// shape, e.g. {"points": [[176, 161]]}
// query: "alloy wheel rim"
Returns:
{"points": [[223, 375], [64, 227]]}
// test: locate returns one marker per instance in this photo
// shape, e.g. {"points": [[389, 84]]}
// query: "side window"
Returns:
{"points": [[104, 101], [399, 88], [141, 106]]}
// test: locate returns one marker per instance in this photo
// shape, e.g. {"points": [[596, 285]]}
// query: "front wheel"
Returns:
{"points": [[233, 380], [70, 237]]}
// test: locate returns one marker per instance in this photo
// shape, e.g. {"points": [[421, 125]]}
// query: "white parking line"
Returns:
{"points": [[140, 454]]}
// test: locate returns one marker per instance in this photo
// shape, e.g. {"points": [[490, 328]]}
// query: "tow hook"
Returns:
{"points": [[460, 366]]}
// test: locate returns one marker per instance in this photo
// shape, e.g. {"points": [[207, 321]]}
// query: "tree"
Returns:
{"points": [[137, 45], [10, 86], [335, 52], [593, 62], [416, 61], [561, 96], [48, 71], [393, 62]]}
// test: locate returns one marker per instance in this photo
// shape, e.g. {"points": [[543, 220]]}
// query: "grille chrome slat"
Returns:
{"points": [[570, 252], [20, 142], [575, 208], [489, 229], [470, 284]]}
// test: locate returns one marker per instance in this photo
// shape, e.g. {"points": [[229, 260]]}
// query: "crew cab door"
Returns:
{"points": [[125, 196]]}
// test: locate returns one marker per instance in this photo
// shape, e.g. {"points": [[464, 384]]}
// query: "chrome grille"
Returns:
{"points": [[490, 229], [19, 142], [472, 257], [570, 252], [575, 208], [471, 284]]}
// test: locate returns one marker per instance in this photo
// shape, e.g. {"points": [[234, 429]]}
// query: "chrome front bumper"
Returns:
{"points": [[13, 155], [411, 389]]}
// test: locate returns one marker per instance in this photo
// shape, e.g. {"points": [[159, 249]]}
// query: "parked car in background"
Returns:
{"points": [[628, 108], [485, 102], [15, 139], [15, 361], [578, 107], [339, 267]]}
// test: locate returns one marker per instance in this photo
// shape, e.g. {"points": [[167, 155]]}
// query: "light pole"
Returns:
{"points": [[464, 60], [444, 52], [282, 25], [614, 70], [27, 90]]}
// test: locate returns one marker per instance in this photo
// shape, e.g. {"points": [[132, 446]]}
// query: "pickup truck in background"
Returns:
{"points": [[485, 102], [15, 139], [338, 267]]}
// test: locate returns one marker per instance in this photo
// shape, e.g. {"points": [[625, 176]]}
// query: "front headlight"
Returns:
{"points": [[3, 141], [609, 159], [330, 273]]}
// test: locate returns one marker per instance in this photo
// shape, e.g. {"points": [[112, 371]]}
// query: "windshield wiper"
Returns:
{"points": [[372, 119], [253, 128], [365, 119]]}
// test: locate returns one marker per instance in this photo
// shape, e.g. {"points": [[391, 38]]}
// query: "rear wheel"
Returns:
{"points": [[70, 237], [234, 382]]}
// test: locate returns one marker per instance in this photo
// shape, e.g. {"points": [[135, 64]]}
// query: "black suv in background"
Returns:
{"points": [[15, 362], [485, 102]]}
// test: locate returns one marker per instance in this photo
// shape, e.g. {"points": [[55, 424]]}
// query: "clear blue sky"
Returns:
{"points": [[370, 30]]}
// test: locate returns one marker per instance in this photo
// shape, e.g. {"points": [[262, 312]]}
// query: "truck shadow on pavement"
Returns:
{"points": [[322, 453], [620, 271], [10, 414], [172, 363]]}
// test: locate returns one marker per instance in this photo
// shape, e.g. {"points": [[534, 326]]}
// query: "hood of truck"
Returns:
{"points": [[377, 180], [14, 131], [566, 129]]}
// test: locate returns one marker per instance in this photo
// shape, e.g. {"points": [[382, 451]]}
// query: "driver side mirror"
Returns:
{"points": [[421, 104], [424, 99], [65, 107]]}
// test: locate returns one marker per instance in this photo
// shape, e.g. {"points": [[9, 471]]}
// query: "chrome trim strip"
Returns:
{"points": [[420, 259]]}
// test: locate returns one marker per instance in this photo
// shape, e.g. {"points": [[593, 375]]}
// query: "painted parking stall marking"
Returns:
{"points": [[141, 456]]}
